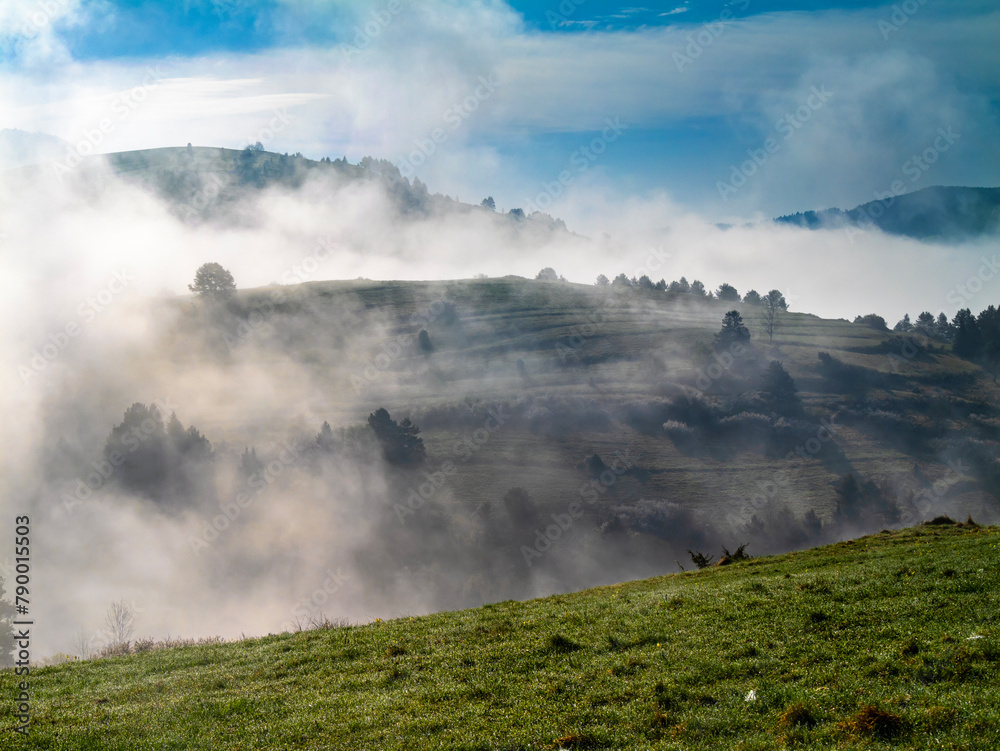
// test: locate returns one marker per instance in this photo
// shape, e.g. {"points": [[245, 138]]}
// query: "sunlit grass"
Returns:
{"points": [[884, 642]]}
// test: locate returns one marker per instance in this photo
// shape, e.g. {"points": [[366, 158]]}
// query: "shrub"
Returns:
{"points": [[872, 320], [739, 555], [424, 340], [699, 560], [118, 649]]}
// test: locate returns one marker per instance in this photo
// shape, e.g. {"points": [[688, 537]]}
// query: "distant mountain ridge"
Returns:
{"points": [[935, 213], [201, 182]]}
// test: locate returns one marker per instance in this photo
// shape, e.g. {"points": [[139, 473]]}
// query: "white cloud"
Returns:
{"points": [[426, 59]]}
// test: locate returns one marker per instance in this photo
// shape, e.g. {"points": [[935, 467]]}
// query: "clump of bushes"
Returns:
{"points": [[704, 561]]}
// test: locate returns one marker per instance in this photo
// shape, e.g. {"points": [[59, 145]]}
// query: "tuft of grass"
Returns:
{"points": [[562, 645], [938, 521], [938, 719], [874, 722], [577, 740], [798, 715]]}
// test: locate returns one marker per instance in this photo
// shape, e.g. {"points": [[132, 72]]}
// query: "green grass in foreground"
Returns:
{"points": [[888, 641]]}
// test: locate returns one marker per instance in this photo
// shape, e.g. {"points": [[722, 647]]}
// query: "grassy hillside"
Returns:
{"points": [[888, 641], [581, 375], [623, 359]]}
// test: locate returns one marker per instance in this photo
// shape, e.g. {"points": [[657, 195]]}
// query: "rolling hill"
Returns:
{"points": [[214, 184], [603, 411], [569, 435]]}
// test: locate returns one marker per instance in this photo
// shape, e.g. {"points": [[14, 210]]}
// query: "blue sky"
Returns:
{"points": [[701, 87]]}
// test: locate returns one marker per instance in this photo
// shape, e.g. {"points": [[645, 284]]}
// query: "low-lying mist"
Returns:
{"points": [[248, 517]]}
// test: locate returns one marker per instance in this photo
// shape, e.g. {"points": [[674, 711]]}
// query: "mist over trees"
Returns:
{"points": [[213, 282], [773, 304], [732, 332], [977, 338], [442, 501], [400, 441], [164, 462], [972, 337]]}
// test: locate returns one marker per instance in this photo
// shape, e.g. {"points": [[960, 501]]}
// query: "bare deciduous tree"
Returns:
{"points": [[120, 621], [773, 303], [82, 645]]}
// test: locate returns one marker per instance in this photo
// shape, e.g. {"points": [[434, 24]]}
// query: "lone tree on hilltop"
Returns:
{"points": [[733, 331], [548, 274], [872, 320], [120, 622], [773, 303], [212, 282]]}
